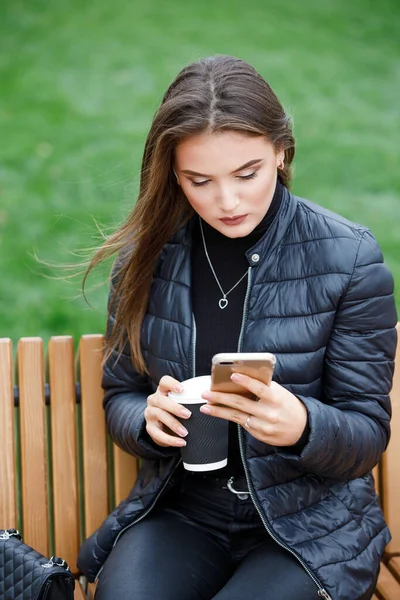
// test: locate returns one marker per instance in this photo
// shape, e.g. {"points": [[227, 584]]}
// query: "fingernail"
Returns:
{"points": [[182, 431], [206, 395], [181, 442], [185, 413], [235, 377], [205, 409], [178, 388]]}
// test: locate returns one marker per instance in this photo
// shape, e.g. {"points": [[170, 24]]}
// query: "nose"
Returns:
{"points": [[227, 199]]}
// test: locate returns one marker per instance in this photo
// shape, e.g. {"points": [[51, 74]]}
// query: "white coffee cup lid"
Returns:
{"points": [[192, 390]]}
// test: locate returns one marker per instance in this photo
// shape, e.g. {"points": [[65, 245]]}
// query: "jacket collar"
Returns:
{"points": [[267, 243], [276, 230]]}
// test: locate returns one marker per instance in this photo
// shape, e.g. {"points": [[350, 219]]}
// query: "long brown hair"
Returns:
{"points": [[214, 94]]}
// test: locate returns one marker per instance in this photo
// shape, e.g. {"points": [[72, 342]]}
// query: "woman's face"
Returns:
{"points": [[229, 178]]}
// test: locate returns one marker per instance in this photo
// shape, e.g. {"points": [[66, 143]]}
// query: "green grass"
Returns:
{"points": [[81, 80]]}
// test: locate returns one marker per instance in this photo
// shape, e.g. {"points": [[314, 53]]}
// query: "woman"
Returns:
{"points": [[218, 255]]}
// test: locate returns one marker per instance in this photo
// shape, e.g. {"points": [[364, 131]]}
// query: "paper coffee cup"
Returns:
{"points": [[207, 441]]}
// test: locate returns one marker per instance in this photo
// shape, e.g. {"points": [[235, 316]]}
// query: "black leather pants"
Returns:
{"points": [[203, 542]]}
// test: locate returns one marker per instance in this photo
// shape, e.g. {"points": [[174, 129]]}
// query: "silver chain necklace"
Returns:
{"points": [[223, 302]]}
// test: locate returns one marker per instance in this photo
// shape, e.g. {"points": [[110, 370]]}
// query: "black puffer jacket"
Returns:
{"points": [[320, 298]]}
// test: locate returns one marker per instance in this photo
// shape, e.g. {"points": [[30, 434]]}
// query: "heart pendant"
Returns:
{"points": [[223, 303]]}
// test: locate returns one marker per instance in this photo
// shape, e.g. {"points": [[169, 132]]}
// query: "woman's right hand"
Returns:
{"points": [[161, 423]]}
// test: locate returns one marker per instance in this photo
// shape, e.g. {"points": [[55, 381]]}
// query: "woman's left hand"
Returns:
{"points": [[278, 418]]}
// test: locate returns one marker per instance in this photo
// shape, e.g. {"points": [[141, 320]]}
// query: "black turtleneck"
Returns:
{"points": [[218, 330]]}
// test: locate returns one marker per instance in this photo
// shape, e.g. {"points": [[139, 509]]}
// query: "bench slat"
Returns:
{"points": [[8, 508], [125, 473], [33, 444], [394, 565], [93, 428], [79, 594], [390, 465], [64, 447], [387, 587], [91, 590], [375, 473]]}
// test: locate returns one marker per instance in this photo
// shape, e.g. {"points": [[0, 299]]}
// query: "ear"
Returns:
{"points": [[280, 160]]}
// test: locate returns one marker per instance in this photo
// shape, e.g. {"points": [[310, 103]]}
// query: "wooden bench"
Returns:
{"points": [[60, 474]]}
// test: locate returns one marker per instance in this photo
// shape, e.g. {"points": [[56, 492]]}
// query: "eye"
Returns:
{"points": [[241, 177], [199, 183], [246, 177]]}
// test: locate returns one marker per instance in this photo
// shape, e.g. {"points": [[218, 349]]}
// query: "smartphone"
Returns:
{"points": [[259, 365]]}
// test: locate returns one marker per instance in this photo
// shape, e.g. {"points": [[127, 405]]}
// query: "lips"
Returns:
{"points": [[234, 220]]}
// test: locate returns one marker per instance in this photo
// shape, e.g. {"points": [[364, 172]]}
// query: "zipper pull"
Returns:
{"points": [[324, 594]]}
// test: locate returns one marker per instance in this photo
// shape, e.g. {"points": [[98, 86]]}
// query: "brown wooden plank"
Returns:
{"points": [[394, 565], [94, 439], [387, 586], [91, 590], [390, 465], [64, 448], [33, 443], [375, 473], [8, 508], [125, 473], [79, 594]]}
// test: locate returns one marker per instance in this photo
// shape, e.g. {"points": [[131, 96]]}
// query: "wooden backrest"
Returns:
{"points": [[390, 465], [59, 473]]}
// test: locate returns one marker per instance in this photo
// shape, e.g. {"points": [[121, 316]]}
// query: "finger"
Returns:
{"points": [[262, 429], [258, 388], [156, 415], [167, 404], [161, 438], [224, 412], [240, 403], [169, 384], [162, 431]]}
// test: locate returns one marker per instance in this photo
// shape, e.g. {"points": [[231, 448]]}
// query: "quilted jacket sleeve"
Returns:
{"points": [[350, 427], [125, 400]]}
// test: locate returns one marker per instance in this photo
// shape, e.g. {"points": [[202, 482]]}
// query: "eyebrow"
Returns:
{"points": [[245, 166]]}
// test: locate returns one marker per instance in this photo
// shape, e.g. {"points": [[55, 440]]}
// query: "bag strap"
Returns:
{"points": [[6, 534], [54, 561]]}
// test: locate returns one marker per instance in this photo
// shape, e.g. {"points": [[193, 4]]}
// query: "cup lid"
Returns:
{"points": [[192, 390]]}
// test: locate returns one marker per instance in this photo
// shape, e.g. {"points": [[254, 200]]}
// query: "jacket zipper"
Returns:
{"points": [[322, 593], [194, 345], [149, 508]]}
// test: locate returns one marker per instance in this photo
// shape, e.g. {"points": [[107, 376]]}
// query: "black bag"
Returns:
{"points": [[25, 574]]}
